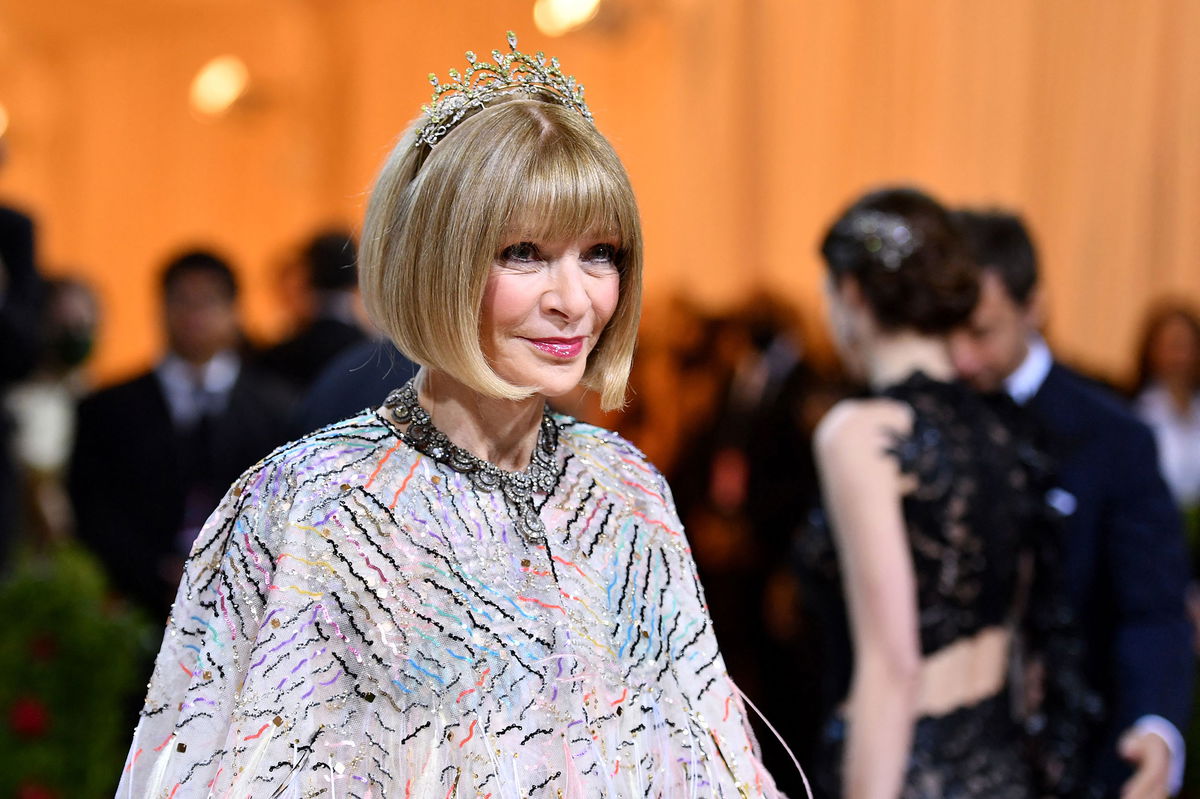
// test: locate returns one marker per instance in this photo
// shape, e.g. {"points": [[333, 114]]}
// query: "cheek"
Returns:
{"points": [[1009, 349], [229, 320], [605, 296], [503, 305], [833, 312]]}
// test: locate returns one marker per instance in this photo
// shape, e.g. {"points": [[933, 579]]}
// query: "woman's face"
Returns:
{"points": [[545, 305], [1174, 352]]}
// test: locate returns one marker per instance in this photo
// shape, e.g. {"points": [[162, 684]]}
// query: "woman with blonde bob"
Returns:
{"points": [[461, 593]]}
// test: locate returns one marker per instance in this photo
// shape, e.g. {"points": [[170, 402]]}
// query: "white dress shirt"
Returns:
{"points": [[1178, 436], [1027, 379], [192, 392]]}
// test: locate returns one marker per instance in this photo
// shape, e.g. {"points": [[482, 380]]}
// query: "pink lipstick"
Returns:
{"points": [[559, 347]]}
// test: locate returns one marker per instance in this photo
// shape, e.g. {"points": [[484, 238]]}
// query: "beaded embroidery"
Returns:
{"points": [[359, 619]]}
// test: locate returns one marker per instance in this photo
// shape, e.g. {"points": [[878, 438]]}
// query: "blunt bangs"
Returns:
{"points": [[571, 189]]}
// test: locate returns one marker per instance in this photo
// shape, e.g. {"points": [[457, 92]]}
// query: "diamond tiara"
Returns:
{"points": [[513, 73]]}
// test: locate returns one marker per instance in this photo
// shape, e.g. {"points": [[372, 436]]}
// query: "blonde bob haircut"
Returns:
{"points": [[438, 217]]}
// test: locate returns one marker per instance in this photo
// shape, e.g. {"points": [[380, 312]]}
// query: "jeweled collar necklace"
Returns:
{"points": [[518, 488]]}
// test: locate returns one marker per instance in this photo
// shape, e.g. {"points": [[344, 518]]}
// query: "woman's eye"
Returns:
{"points": [[602, 253], [524, 252]]}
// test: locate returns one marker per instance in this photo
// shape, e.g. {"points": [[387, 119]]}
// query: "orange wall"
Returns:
{"points": [[745, 125]]}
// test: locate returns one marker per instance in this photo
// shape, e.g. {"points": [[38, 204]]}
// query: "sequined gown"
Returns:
{"points": [[360, 618], [977, 511]]}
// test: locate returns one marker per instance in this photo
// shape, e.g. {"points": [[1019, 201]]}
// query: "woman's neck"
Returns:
{"points": [[895, 356], [501, 432]]}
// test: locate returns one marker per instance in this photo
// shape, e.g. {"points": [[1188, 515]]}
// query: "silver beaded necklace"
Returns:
{"points": [[518, 488]]}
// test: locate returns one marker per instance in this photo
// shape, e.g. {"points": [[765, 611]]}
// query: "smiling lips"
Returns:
{"points": [[559, 347]]}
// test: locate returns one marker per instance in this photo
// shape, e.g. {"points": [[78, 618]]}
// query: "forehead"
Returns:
{"points": [[1175, 325], [1175, 335], [570, 189], [995, 303], [198, 282]]}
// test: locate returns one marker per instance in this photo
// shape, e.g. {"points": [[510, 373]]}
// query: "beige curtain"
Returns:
{"points": [[746, 125]]}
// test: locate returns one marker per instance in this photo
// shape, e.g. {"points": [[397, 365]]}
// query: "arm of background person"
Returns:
{"points": [[1149, 571], [861, 484]]}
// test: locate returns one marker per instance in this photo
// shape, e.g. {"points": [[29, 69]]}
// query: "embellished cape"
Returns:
{"points": [[360, 619]]}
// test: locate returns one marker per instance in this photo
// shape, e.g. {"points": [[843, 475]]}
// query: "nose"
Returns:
{"points": [[567, 293]]}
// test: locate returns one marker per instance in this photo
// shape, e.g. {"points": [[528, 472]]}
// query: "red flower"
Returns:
{"points": [[28, 717], [35, 791]]}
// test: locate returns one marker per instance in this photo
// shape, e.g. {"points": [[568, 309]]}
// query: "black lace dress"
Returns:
{"points": [[977, 513]]}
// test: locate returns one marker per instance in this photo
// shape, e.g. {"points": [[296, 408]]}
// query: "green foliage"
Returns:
{"points": [[71, 664]]}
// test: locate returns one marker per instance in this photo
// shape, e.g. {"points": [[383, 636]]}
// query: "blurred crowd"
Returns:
{"points": [[725, 403]]}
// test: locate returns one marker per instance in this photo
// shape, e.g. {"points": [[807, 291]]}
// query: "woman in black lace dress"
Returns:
{"points": [[934, 561]]}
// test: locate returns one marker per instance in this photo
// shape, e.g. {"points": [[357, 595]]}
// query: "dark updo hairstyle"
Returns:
{"points": [[909, 259]]}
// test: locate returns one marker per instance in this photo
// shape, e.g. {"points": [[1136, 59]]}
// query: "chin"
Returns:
{"points": [[552, 389], [546, 382]]}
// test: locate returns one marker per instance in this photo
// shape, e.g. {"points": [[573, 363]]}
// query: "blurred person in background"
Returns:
{"points": [[335, 365], [43, 406], [329, 264], [743, 479], [934, 500], [154, 454], [677, 380], [20, 300], [1166, 396], [360, 376], [1123, 547]]}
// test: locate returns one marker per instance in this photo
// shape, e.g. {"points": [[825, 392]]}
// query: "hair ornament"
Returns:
{"points": [[513, 72], [885, 236]]}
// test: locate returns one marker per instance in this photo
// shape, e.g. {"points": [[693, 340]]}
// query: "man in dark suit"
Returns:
{"points": [[1124, 560], [20, 300], [329, 263], [154, 455], [359, 377]]}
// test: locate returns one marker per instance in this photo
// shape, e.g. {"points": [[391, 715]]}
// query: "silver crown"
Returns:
{"points": [[513, 73], [886, 236]]}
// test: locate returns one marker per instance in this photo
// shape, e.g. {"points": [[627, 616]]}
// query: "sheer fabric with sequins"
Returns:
{"points": [[358, 619]]}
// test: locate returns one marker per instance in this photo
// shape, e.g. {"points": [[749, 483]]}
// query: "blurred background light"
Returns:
{"points": [[3, 120], [219, 84], [556, 17]]}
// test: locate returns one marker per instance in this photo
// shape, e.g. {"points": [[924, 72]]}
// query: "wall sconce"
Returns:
{"points": [[219, 85], [556, 17]]}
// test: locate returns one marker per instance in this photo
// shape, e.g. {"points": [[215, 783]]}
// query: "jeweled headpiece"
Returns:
{"points": [[885, 236], [513, 73]]}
